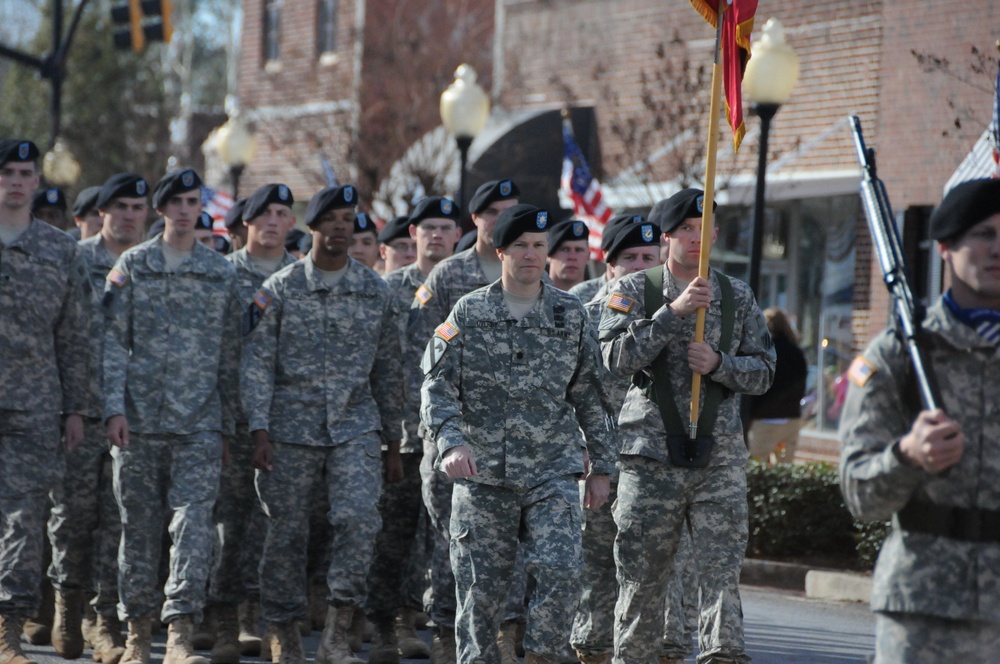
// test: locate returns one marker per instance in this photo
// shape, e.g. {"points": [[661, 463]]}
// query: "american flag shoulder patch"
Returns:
{"points": [[446, 331], [117, 278], [423, 294], [860, 371], [261, 300], [621, 303]]}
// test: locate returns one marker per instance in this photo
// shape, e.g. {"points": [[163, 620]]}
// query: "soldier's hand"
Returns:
{"points": [[263, 451], [393, 465], [118, 430], [697, 295], [935, 441], [459, 462], [702, 358], [586, 462], [596, 491], [73, 431]]}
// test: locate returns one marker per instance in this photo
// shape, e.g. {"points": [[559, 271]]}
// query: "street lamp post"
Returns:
{"points": [[236, 147], [464, 111], [772, 72]]}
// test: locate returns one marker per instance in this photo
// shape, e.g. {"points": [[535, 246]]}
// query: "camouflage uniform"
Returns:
{"points": [[321, 375], [937, 598], [43, 351], [171, 357], [589, 288], [400, 504], [508, 391], [655, 497], [450, 279], [84, 526], [237, 496]]}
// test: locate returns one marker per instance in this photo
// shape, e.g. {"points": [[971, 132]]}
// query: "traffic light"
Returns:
{"points": [[142, 21]]}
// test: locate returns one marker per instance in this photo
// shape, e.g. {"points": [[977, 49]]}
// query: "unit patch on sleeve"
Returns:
{"points": [[446, 331], [621, 303], [860, 371], [423, 294]]}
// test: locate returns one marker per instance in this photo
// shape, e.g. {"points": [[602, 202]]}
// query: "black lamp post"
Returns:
{"points": [[771, 74], [464, 111]]}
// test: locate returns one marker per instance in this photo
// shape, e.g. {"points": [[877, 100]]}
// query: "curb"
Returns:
{"points": [[824, 584]]}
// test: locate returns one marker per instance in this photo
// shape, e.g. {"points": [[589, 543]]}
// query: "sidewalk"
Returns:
{"points": [[823, 584]]}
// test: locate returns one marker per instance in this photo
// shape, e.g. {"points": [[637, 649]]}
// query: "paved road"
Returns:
{"points": [[781, 628]]}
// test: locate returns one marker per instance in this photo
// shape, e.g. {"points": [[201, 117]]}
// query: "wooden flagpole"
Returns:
{"points": [[707, 211]]}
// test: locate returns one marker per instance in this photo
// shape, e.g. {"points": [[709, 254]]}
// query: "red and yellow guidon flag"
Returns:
{"points": [[737, 23]]}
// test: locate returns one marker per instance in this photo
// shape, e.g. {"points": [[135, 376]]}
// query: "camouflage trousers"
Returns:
{"points": [[31, 464], [436, 489], [391, 567], [908, 638], [160, 474], [680, 618], [85, 527], [654, 500], [487, 522], [231, 517], [593, 626], [353, 482]]}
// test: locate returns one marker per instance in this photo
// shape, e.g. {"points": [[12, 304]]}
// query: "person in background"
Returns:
{"points": [[364, 242]]}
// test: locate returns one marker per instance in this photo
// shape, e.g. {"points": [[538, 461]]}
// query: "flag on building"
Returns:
{"points": [[996, 125], [737, 23], [216, 203], [331, 177], [584, 190]]}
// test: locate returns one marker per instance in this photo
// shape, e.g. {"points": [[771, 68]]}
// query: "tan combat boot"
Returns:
{"points": [[333, 644], [270, 650], [10, 641], [249, 617], [106, 640], [227, 635], [137, 643], [444, 648], [67, 639], [88, 624], [385, 649], [507, 642], [288, 644], [179, 649], [411, 646], [38, 628]]}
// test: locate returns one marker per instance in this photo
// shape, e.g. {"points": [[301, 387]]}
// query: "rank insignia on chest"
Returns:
{"points": [[621, 303], [446, 331], [261, 300], [117, 278], [423, 294], [860, 371]]}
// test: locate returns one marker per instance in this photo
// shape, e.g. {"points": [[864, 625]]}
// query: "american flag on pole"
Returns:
{"points": [[584, 190], [216, 203], [996, 125]]}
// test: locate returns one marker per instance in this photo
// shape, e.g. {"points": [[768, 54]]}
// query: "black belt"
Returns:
{"points": [[960, 523]]}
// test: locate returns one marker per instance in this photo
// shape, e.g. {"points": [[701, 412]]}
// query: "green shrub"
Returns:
{"points": [[796, 510]]}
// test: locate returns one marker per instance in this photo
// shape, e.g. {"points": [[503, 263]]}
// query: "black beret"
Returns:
{"points": [[434, 207], [614, 224], [264, 196], [221, 244], [122, 185], [394, 229], [203, 222], [517, 220], [173, 184], [330, 198], [685, 204], [234, 217], [298, 241], [468, 240], [965, 206], [364, 224], [48, 198], [156, 228], [492, 191], [86, 202], [17, 149], [632, 235], [564, 231]]}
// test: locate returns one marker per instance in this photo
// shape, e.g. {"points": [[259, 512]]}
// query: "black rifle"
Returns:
{"points": [[888, 248]]}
